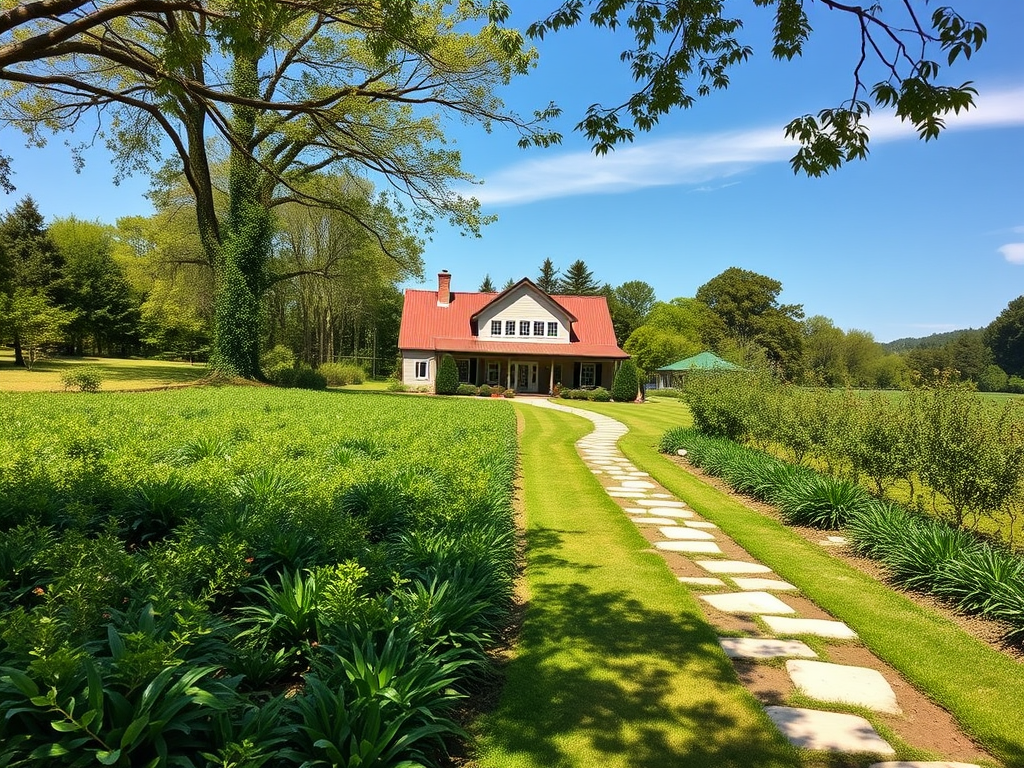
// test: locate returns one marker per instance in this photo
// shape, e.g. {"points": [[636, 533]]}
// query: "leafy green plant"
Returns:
{"points": [[466, 389], [86, 378], [299, 377], [626, 385], [820, 501], [341, 374], [599, 395], [484, 390], [447, 381]]}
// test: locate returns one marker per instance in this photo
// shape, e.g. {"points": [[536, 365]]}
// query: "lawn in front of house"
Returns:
{"points": [[616, 666]]}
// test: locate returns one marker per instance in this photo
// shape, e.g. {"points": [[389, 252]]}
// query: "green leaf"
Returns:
{"points": [[63, 726], [133, 730], [108, 757]]}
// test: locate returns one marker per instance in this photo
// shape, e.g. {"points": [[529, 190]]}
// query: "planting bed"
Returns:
{"points": [[247, 576]]}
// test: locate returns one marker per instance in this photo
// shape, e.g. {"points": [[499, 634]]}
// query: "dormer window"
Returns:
{"points": [[495, 327], [510, 327], [538, 327], [524, 327], [552, 329]]}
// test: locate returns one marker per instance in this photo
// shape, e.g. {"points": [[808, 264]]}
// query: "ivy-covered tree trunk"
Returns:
{"points": [[245, 252]]}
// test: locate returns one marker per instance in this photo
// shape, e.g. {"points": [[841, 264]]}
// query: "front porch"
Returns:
{"points": [[536, 375]]}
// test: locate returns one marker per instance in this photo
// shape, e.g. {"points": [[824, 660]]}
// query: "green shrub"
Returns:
{"points": [[599, 395], [276, 359], [447, 381], [1015, 384], [396, 385], [626, 385], [466, 389], [666, 392], [484, 391], [819, 501], [509, 393], [341, 374], [302, 377], [86, 378]]}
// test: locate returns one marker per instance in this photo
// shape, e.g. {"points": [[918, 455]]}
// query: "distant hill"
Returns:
{"points": [[935, 340]]}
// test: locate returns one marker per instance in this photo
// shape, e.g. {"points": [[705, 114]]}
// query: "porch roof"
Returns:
{"points": [[526, 349]]}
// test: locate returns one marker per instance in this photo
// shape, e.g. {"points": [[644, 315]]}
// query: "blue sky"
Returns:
{"points": [[920, 238]]}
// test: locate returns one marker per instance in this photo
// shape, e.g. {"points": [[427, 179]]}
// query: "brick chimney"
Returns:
{"points": [[444, 285]]}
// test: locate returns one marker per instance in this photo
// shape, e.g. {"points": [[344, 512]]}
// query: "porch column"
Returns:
{"points": [[551, 371], [508, 374]]}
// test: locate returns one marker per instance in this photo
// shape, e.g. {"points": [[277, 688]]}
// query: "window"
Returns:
{"points": [[495, 327], [510, 327], [587, 375], [524, 327], [552, 329], [463, 366], [421, 368], [493, 373], [538, 327]]}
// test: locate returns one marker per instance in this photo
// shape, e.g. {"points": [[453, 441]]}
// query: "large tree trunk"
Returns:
{"points": [[242, 271], [19, 356]]}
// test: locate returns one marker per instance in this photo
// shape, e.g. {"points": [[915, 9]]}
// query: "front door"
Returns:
{"points": [[525, 377]]}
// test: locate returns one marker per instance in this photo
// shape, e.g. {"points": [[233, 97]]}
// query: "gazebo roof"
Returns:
{"points": [[705, 361]]}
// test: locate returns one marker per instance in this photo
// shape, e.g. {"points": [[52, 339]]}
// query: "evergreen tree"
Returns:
{"points": [[1005, 337], [508, 284], [579, 281], [29, 262], [447, 381], [548, 280], [627, 382], [487, 286]]}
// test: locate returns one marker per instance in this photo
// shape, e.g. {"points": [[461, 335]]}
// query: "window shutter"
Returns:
{"points": [[597, 376], [472, 370], [575, 375]]}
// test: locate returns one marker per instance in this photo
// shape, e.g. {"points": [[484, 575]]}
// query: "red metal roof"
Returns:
{"points": [[427, 326]]}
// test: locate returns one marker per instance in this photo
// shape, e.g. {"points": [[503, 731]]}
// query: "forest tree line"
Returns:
{"points": [[143, 286]]}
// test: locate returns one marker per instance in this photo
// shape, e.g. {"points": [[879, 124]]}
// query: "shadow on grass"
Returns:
{"points": [[596, 675]]}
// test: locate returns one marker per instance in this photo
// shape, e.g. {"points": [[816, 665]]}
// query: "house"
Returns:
{"points": [[522, 338], [671, 375]]}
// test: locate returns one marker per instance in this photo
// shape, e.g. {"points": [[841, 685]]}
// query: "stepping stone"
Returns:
{"points": [[701, 581], [689, 534], [829, 731], [922, 764], [653, 520], [698, 547], [640, 474], [636, 511], [732, 566], [819, 627], [661, 503], [669, 512], [597, 471], [833, 683], [626, 494], [699, 524], [764, 648], [766, 584], [747, 603], [661, 495]]}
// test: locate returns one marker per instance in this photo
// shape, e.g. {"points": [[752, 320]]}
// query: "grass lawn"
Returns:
{"points": [[117, 373], [980, 686], [615, 666]]}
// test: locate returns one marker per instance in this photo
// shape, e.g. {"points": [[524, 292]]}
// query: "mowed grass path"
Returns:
{"points": [[984, 689], [615, 666]]}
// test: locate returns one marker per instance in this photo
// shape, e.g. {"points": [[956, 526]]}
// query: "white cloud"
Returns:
{"points": [[1013, 252], [700, 159]]}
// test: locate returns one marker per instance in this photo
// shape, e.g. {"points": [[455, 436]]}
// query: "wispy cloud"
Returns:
{"points": [[687, 160], [1013, 252]]}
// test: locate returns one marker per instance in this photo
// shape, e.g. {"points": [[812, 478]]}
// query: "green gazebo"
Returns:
{"points": [[705, 361]]}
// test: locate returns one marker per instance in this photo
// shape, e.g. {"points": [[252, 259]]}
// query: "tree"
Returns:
{"points": [[447, 381], [487, 286], [861, 354], [547, 280], [684, 50], [823, 363], [674, 330], [747, 304], [629, 303], [508, 284], [579, 281], [107, 310], [29, 262], [1005, 337], [283, 91], [626, 384], [34, 321], [970, 355]]}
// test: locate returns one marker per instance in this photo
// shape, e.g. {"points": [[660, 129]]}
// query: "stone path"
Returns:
{"points": [[750, 585]]}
